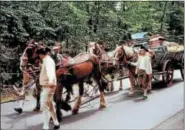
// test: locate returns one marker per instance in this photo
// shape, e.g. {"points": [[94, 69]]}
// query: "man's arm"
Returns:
{"points": [[132, 63], [50, 71]]}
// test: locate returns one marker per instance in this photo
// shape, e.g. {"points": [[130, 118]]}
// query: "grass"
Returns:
{"points": [[8, 98]]}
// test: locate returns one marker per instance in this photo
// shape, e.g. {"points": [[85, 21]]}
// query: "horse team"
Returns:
{"points": [[95, 63]]}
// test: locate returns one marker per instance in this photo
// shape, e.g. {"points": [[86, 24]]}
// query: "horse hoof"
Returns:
{"points": [[131, 94], [36, 109], [145, 97], [102, 106], [75, 111], [120, 89], [65, 106], [149, 90], [107, 90], [19, 110]]}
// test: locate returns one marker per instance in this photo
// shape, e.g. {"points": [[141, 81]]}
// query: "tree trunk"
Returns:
{"points": [[164, 12], [97, 17]]}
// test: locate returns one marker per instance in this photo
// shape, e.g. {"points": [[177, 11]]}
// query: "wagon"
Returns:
{"points": [[165, 63]]}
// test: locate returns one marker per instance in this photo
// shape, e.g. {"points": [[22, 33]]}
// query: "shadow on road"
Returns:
{"points": [[15, 117], [137, 97], [82, 115], [159, 86], [35, 127]]}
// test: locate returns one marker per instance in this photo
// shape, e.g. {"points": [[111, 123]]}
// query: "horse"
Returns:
{"points": [[108, 63], [127, 54], [30, 68], [75, 70]]}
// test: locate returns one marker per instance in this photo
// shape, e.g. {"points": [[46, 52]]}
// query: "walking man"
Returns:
{"points": [[144, 69], [48, 82]]}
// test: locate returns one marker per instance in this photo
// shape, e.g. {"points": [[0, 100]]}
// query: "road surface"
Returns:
{"points": [[122, 112]]}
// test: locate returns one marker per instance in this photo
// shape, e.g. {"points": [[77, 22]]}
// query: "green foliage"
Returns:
{"points": [[77, 23]]}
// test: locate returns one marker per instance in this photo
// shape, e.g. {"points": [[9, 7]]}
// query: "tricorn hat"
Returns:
{"points": [[43, 50], [143, 47]]}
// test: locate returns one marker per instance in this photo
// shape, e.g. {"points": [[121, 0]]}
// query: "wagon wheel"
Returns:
{"points": [[167, 77], [182, 67]]}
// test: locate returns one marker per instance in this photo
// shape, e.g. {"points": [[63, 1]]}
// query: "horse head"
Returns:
{"points": [[30, 55], [119, 53]]}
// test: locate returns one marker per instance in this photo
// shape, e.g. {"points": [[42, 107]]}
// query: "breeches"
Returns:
{"points": [[143, 78], [46, 100]]}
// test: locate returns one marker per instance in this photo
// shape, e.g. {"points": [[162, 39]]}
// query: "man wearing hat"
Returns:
{"points": [[48, 82], [56, 53], [144, 68]]}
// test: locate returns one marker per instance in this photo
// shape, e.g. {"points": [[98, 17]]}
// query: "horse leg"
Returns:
{"points": [[121, 85], [38, 91], [69, 92], [79, 99], [131, 78], [98, 78], [104, 83], [111, 86], [102, 97], [58, 101], [120, 82]]}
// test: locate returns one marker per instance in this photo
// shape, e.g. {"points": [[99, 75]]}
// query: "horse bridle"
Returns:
{"points": [[34, 57]]}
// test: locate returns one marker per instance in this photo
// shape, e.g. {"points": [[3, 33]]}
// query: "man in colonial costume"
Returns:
{"points": [[48, 82], [144, 68]]}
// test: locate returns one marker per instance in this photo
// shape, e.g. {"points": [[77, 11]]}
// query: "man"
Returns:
{"points": [[102, 45], [93, 50], [144, 69], [48, 82], [26, 82], [56, 53]]}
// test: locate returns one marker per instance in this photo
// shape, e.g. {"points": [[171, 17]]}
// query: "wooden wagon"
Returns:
{"points": [[166, 61]]}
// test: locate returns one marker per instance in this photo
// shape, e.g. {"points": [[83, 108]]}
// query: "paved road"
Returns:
{"points": [[122, 112], [176, 122]]}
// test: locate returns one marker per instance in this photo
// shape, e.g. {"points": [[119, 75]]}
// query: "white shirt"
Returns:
{"points": [[144, 63], [48, 72]]}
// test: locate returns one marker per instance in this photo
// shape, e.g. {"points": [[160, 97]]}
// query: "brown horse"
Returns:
{"points": [[74, 70], [108, 63], [77, 70], [124, 54]]}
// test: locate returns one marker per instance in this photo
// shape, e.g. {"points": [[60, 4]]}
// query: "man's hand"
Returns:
{"points": [[128, 62]]}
